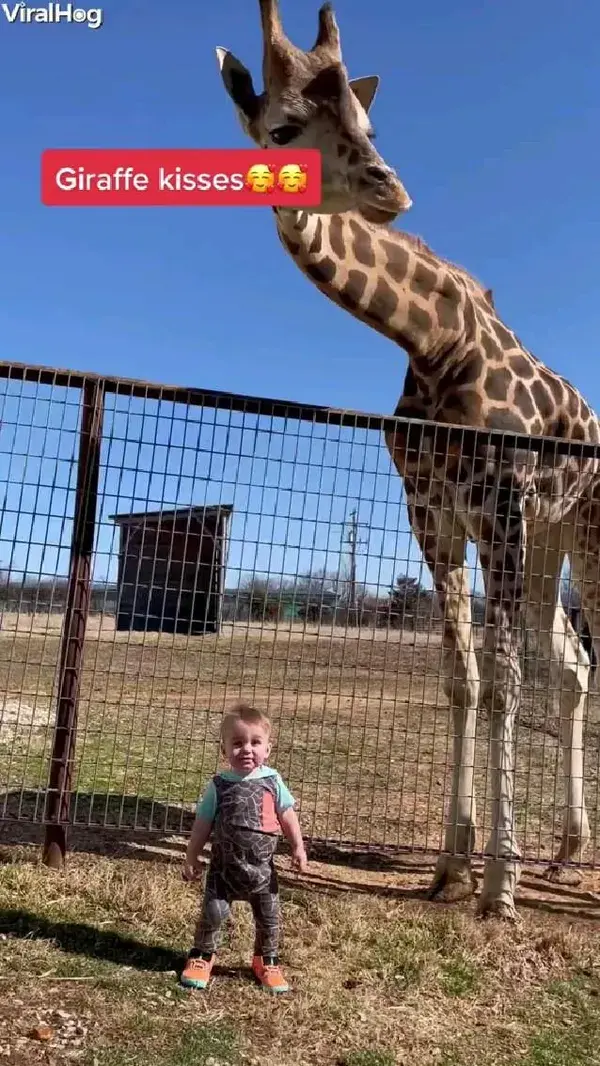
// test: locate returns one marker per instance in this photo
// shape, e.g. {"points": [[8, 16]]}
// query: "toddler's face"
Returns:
{"points": [[246, 747]]}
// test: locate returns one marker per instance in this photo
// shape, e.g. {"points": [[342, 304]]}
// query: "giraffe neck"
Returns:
{"points": [[384, 278]]}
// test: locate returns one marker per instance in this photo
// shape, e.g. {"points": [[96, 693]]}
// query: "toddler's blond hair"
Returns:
{"points": [[242, 711]]}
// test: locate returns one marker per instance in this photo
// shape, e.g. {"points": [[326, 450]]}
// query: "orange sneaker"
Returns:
{"points": [[268, 973], [197, 970]]}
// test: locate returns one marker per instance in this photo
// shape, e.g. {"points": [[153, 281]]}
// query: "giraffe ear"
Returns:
{"points": [[237, 80], [365, 89]]}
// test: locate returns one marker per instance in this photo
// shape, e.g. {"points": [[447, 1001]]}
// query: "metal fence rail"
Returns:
{"points": [[165, 550]]}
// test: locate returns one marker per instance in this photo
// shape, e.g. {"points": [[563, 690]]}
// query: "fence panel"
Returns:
{"points": [[242, 547]]}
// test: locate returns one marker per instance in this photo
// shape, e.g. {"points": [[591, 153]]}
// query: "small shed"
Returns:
{"points": [[171, 569]]}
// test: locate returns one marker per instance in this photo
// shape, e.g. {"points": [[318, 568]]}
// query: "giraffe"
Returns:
{"points": [[525, 511]]}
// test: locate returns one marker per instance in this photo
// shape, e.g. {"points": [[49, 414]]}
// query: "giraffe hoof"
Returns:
{"points": [[451, 891], [452, 882], [498, 908], [563, 875]]}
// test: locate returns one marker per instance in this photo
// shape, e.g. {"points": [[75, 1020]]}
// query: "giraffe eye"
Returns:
{"points": [[285, 134]]}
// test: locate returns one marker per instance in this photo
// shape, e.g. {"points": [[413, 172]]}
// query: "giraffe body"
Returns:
{"points": [[524, 510]]}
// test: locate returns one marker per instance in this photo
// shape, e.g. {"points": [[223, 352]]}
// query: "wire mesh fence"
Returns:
{"points": [[164, 551]]}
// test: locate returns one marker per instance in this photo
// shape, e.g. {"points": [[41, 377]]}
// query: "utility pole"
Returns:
{"points": [[354, 544]]}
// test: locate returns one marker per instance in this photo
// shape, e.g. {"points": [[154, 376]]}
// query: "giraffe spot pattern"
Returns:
{"points": [[321, 272], [446, 310], [505, 419], [448, 287], [424, 279], [317, 241], [523, 400], [352, 291], [505, 337], [362, 245], [419, 317], [336, 236], [383, 302], [491, 347], [542, 399], [556, 387], [497, 382], [521, 366], [292, 246], [397, 260], [456, 406], [573, 404], [470, 372], [470, 320]]}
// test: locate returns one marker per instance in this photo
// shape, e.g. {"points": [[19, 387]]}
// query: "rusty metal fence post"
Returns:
{"points": [[58, 801]]}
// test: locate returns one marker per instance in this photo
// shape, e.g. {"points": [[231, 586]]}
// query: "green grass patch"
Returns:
{"points": [[368, 1058], [573, 1037], [215, 1044], [458, 977]]}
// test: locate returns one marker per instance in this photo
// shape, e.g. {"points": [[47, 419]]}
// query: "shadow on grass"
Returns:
{"points": [[78, 938], [81, 939]]}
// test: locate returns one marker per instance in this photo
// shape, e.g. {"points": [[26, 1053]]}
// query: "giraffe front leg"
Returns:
{"points": [[500, 696], [453, 878], [502, 559], [445, 555]]}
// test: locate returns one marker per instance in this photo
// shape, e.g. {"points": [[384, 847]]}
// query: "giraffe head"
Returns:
{"points": [[308, 101]]}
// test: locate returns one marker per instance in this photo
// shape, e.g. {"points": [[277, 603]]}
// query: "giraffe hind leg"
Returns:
{"points": [[577, 663], [569, 661]]}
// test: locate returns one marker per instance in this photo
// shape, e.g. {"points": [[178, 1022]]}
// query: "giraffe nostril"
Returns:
{"points": [[377, 173]]}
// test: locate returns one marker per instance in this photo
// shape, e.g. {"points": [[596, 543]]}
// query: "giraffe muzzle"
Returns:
{"points": [[382, 196]]}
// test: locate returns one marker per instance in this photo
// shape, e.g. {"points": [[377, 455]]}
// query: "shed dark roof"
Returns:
{"points": [[214, 510]]}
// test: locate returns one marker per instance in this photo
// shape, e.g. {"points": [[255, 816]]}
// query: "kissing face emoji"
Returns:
{"points": [[292, 178], [260, 178]]}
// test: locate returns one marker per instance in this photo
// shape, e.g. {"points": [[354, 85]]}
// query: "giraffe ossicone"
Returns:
{"points": [[524, 510]]}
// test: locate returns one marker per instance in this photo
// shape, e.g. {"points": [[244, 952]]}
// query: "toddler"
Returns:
{"points": [[243, 810]]}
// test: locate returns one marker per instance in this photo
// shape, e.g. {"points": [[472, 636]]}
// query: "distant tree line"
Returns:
{"points": [[315, 598], [326, 598]]}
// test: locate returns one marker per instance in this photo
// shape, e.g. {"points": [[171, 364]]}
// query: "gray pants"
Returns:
{"points": [[219, 893]]}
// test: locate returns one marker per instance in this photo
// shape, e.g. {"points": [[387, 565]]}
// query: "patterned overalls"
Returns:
{"points": [[243, 843]]}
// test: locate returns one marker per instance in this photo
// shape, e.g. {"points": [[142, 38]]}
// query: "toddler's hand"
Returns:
{"points": [[190, 872], [299, 860]]}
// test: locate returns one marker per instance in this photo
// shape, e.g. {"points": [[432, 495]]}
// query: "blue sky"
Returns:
{"points": [[489, 113]]}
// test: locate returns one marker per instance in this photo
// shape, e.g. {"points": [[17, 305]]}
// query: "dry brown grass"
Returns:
{"points": [[372, 972]]}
